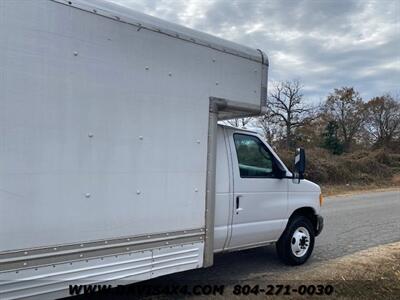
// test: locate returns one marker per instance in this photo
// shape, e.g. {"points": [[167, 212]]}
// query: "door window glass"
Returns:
{"points": [[254, 158]]}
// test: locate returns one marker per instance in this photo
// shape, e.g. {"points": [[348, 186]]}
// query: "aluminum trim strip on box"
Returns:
{"points": [[30, 258]]}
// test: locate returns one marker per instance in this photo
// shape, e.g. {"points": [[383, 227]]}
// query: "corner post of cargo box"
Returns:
{"points": [[217, 105]]}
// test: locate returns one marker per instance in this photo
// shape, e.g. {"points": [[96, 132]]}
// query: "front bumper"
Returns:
{"points": [[319, 225]]}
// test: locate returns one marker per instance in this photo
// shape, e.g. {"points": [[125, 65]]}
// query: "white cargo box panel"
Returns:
{"points": [[104, 117]]}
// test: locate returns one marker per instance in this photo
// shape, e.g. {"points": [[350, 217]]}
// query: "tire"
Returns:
{"points": [[296, 244]]}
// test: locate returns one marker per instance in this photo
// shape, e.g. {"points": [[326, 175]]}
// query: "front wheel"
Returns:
{"points": [[297, 241]]}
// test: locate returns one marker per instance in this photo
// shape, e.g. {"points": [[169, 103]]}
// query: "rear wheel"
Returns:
{"points": [[297, 241]]}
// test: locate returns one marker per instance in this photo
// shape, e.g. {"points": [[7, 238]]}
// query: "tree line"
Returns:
{"points": [[343, 122]]}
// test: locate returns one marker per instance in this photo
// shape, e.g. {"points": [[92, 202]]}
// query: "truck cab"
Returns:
{"points": [[258, 200]]}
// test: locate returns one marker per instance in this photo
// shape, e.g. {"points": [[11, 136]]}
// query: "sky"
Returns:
{"points": [[325, 44]]}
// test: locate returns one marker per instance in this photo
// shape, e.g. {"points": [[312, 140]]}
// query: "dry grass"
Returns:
{"points": [[359, 170], [396, 180], [340, 190]]}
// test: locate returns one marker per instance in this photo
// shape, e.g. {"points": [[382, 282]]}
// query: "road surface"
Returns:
{"points": [[352, 223]]}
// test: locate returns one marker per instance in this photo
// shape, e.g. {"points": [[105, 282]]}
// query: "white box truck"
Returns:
{"points": [[112, 164]]}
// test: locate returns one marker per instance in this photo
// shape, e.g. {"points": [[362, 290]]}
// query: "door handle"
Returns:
{"points": [[238, 208]]}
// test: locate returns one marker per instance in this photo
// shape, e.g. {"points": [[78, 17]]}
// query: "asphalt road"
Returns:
{"points": [[352, 223]]}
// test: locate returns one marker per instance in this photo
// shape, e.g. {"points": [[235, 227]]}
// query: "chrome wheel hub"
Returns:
{"points": [[300, 242]]}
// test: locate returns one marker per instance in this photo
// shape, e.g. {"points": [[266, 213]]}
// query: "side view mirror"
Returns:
{"points": [[299, 164]]}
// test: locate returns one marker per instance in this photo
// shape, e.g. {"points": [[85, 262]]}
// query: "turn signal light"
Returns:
{"points": [[321, 199]]}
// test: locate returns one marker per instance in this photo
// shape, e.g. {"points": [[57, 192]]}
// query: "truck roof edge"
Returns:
{"points": [[142, 21]]}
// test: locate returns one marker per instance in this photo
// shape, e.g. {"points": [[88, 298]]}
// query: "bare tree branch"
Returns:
{"points": [[286, 108]]}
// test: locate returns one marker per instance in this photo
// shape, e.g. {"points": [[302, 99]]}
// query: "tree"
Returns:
{"points": [[238, 122], [268, 124], [286, 105], [330, 138], [383, 121], [345, 107]]}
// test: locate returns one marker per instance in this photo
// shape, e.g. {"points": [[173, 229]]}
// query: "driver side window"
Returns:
{"points": [[254, 158]]}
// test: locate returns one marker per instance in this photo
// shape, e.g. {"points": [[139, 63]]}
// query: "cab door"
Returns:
{"points": [[260, 197]]}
